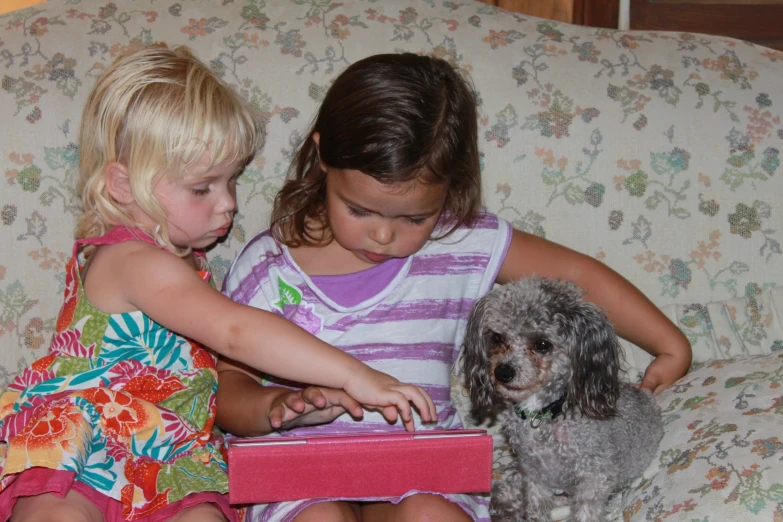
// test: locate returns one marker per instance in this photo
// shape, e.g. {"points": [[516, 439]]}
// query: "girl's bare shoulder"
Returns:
{"points": [[112, 269]]}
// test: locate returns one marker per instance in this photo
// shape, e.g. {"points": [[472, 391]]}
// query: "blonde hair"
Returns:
{"points": [[156, 111]]}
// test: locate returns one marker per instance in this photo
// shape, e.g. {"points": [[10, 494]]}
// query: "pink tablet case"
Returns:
{"points": [[275, 469]]}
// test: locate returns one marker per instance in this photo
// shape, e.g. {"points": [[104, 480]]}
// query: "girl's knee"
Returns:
{"points": [[200, 513], [430, 508], [329, 512], [50, 508]]}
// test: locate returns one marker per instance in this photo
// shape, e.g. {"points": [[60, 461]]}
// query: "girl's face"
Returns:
{"points": [[376, 222], [200, 206]]}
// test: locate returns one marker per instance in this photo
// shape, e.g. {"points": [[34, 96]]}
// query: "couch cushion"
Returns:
{"points": [[655, 152], [720, 457], [728, 329]]}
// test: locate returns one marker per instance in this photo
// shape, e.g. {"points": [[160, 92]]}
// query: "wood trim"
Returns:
{"points": [[755, 23], [6, 6], [597, 13], [560, 10]]}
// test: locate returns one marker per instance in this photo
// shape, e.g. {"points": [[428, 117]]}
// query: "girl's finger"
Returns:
{"points": [[315, 397], [400, 400], [409, 425], [390, 414], [276, 417], [350, 405], [295, 402], [433, 410], [417, 396], [649, 383]]}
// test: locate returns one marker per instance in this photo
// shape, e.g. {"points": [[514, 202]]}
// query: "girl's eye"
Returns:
{"points": [[357, 212], [417, 221], [200, 191]]}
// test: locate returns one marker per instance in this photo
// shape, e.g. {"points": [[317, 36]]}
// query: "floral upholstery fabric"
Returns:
{"points": [[657, 153], [720, 459], [742, 326]]}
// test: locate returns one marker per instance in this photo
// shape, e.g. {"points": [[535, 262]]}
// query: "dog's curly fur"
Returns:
{"points": [[530, 343]]}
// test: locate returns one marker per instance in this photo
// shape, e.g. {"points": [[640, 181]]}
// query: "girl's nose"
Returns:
{"points": [[382, 234], [227, 203]]}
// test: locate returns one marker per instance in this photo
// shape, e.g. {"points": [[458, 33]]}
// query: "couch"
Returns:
{"points": [[657, 153]]}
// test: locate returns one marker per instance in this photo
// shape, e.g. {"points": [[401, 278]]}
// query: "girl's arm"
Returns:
{"points": [[635, 318], [246, 408], [170, 292]]}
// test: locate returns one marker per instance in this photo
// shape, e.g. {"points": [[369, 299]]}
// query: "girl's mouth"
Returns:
{"points": [[375, 258]]}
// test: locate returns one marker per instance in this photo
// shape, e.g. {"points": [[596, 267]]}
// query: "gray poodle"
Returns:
{"points": [[547, 362]]}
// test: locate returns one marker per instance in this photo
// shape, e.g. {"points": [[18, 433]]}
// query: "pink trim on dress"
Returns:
{"points": [[115, 235], [39, 481], [121, 235]]}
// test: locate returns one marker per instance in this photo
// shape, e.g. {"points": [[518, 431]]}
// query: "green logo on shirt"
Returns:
{"points": [[289, 295]]}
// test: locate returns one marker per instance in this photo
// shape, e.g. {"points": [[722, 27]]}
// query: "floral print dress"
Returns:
{"points": [[123, 403]]}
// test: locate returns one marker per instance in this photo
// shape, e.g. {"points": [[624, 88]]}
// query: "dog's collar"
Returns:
{"points": [[547, 413]]}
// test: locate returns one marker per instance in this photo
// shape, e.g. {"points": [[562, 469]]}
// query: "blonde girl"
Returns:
{"points": [[116, 422]]}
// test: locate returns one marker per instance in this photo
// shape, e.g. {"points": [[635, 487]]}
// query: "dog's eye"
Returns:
{"points": [[496, 338], [542, 346]]}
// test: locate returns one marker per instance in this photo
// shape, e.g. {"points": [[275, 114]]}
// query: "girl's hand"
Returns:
{"points": [[376, 389], [310, 406], [665, 370]]}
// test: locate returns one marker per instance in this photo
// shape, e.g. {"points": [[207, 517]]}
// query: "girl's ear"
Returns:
{"points": [[118, 183], [316, 137]]}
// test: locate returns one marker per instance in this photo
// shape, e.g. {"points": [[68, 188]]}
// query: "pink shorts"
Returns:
{"points": [[36, 481]]}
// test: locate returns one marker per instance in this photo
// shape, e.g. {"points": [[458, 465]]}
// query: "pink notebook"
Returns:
{"points": [[275, 469]]}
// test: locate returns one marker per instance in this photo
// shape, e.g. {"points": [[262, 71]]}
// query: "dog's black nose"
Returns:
{"points": [[505, 373]]}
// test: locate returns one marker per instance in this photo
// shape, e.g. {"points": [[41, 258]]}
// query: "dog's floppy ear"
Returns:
{"points": [[476, 360], [595, 362]]}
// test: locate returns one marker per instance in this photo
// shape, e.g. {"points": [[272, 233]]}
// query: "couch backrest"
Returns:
{"points": [[658, 153]]}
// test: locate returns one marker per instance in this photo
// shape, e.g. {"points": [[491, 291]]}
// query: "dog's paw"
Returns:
{"points": [[506, 504], [506, 515]]}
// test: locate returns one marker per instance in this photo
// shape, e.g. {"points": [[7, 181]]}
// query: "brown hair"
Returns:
{"points": [[397, 118]]}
